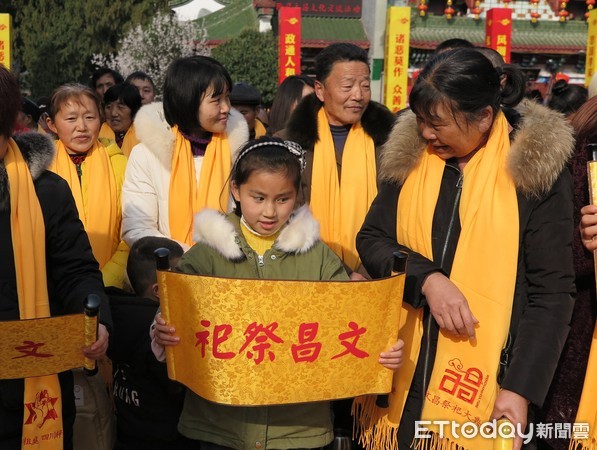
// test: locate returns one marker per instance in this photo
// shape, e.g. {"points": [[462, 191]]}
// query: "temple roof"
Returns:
{"points": [[542, 37]]}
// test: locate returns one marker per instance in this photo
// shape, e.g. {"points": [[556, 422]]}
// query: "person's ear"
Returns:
{"points": [[235, 191], [155, 291], [319, 90], [51, 125], [486, 120]]}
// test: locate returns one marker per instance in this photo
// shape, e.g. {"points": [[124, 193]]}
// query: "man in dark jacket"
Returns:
{"points": [[343, 93], [72, 271]]}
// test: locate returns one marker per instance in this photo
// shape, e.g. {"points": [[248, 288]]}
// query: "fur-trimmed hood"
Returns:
{"points": [[153, 131], [542, 145], [38, 152], [218, 232], [377, 121]]}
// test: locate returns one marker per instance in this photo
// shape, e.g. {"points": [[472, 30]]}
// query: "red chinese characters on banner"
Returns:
{"points": [[30, 348], [259, 342], [260, 335], [463, 384], [220, 335], [306, 350], [354, 334], [498, 31], [289, 44], [328, 8]]}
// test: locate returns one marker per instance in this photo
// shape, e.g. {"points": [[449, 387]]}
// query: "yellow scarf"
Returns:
{"points": [[130, 138], [43, 401], [259, 129], [185, 198], [463, 385], [340, 207], [96, 197], [587, 409]]}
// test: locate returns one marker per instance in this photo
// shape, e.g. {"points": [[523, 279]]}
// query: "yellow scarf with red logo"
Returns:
{"points": [[96, 197], [42, 419], [185, 198], [463, 385], [341, 207]]}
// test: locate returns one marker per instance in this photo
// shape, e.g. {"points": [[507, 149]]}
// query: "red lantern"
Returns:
{"points": [[422, 8], [563, 13], [449, 11], [535, 16], [477, 10], [590, 4]]}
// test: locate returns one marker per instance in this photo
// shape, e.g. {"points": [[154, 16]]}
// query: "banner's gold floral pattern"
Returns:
{"points": [[263, 342], [36, 347]]}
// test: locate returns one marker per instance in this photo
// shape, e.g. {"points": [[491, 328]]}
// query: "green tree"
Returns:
{"points": [[57, 38], [252, 57]]}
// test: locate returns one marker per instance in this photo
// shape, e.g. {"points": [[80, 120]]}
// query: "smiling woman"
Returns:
{"points": [[187, 145]]}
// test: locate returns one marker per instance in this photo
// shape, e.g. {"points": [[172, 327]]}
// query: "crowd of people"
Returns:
{"points": [[480, 185]]}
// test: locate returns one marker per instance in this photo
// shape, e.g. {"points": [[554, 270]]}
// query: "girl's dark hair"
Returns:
{"points": [[465, 82], [127, 94], [289, 93], [11, 101], [567, 98], [274, 158], [187, 80]]}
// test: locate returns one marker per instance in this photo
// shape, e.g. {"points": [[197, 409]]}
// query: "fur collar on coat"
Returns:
{"points": [[540, 149], [38, 152], [154, 132], [215, 230], [377, 122]]}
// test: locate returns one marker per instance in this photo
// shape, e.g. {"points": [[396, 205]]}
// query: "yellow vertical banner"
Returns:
{"points": [[396, 66], [5, 39], [591, 47]]}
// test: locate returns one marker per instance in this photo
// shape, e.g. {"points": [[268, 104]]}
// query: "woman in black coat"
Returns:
{"points": [[454, 127], [72, 272]]}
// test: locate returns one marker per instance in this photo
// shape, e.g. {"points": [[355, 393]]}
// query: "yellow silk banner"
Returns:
{"points": [[37, 347], [265, 342]]}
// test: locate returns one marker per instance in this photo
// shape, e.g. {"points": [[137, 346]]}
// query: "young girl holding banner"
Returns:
{"points": [[264, 238]]}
